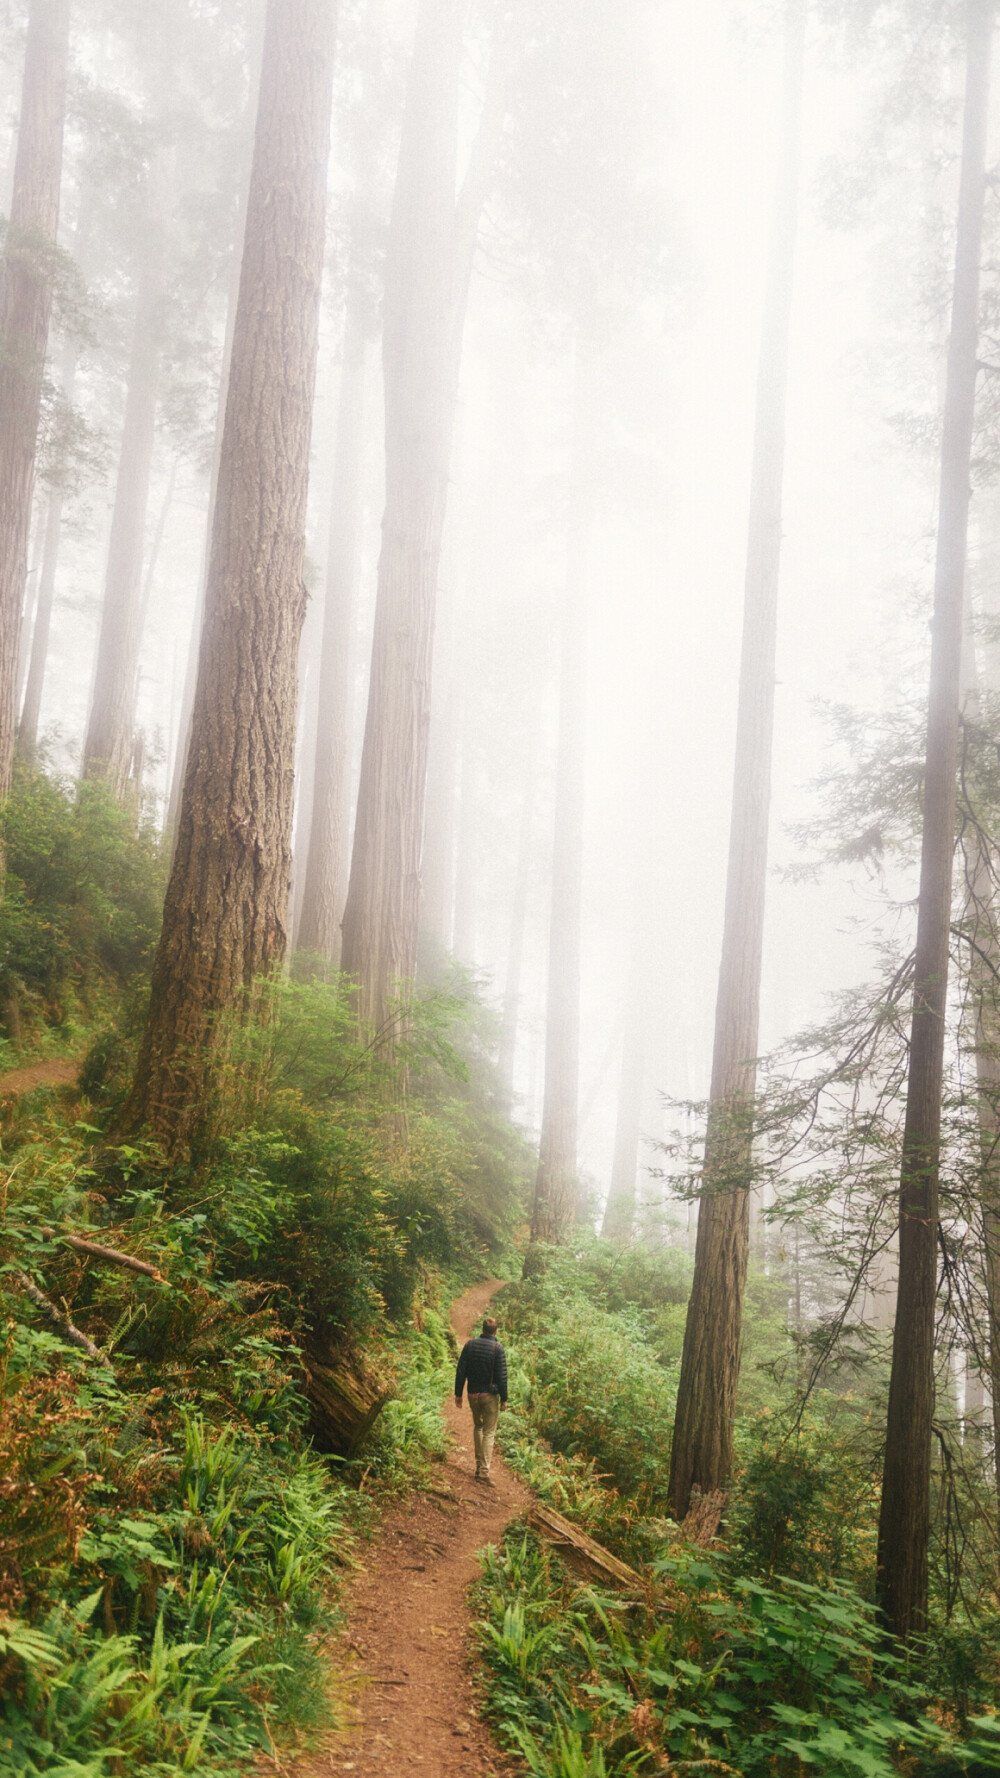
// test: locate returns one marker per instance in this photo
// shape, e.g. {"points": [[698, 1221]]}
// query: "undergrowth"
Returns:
{"points": [[764, 1660], [170, 1533]]}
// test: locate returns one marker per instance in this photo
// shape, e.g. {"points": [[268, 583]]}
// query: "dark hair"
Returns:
{"points": [[489, 1328]]}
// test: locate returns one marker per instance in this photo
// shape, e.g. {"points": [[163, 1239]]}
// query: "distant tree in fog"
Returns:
{"points": [[431, 246], [26, 286], [702, 1449]]}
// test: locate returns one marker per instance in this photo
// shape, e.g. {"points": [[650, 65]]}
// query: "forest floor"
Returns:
{"points": [[405, 1658], [58, 1072]]}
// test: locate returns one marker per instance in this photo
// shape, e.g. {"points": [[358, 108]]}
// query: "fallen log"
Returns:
{"points": [[346, 1394], [60, 1322], [580, 1552]]}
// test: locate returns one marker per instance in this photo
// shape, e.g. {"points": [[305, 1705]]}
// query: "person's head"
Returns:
{"points": [[489, 1328]]}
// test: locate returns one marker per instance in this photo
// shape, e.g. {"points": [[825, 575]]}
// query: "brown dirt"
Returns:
{"points": [[59, 1072], [406, 1654]]}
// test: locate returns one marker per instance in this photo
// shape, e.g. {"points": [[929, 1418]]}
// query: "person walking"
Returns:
{"points": [[482, 1368]]}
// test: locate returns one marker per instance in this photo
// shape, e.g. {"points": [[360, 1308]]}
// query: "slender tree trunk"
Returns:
{"points": [[110, 741], [904, 1522], [463, 942], [438, 855], [226, 905], [554, 1205], [428, 268], [619, 1212], [27, 731], [701, 1453], [25, 308], [325, 888], [515, 947]]}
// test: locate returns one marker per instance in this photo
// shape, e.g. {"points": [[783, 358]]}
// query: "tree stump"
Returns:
{"points": [[346, 1393]]}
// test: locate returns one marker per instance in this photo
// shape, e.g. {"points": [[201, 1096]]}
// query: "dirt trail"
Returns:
{"points": [[408, 1639], [59, 1072]]}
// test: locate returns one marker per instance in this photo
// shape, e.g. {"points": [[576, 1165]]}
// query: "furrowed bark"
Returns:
{"points": [[26, 278], [904, 1520], [702, 1448], [225, 914]]}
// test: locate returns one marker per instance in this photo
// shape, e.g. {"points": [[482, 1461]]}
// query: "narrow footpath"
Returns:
{"points": [[406, 1651]]}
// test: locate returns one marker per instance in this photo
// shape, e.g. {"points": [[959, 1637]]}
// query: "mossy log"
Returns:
{"points": [[580, 1552], [346, 1393]]}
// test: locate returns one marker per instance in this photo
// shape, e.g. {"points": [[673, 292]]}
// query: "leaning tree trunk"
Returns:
{"points": [[428, 269], [25, 307], [904, 1520], [224, 919], [702, 1448], [109, 745], [325, 888], [555, 1196]]}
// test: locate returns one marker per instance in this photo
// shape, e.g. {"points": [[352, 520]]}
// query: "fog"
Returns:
{"points": [[672, 367]]}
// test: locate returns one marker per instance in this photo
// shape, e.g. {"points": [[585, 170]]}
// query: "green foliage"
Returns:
{"points": [[167, 1535], [705, 1673], [586, 1373], [81, 904]]}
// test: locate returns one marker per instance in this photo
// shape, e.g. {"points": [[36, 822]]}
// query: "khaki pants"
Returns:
{"points": [[485, 1414]]}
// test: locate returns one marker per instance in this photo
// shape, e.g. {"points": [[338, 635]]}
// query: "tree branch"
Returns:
{"points": [[62, 1323]]}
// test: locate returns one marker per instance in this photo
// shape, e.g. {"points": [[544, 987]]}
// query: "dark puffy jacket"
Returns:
{"points": [[482, 1359]]}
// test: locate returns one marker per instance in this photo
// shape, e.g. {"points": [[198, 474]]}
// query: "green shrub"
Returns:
{"points": [[80, 911]]}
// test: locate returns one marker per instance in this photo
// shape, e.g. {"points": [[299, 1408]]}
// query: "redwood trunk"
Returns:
{"points": [[325, 888], [428, 268], [225, 914], [702, 1448], [109, 746], [554, 1207], [179, 765], [904, 1522], [25, 308]]}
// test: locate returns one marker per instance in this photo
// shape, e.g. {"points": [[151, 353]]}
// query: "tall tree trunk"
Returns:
{"points": [[463, 941], [555, 1195], [109, 746], [25, 308], [437, 870], [27, 730], [428, 269], [325, 888], [619, 1212], [515, 947], [904, 1520], [225, 913], [180, 756], [702, 1448]]}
